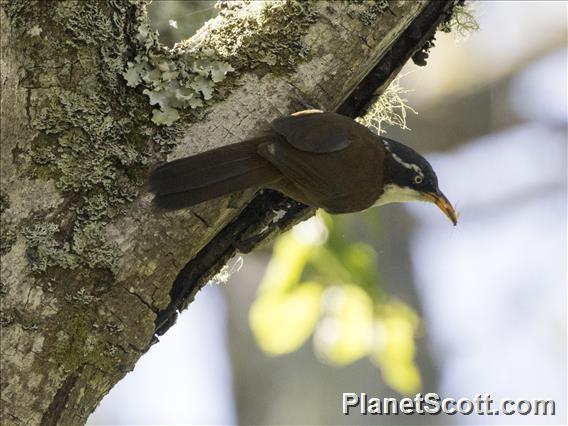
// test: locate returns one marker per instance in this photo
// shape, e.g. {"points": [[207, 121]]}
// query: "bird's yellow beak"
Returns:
{"points": [[443, 204]]}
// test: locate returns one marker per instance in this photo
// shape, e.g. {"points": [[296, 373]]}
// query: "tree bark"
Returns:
{"points": [[91, 273]]}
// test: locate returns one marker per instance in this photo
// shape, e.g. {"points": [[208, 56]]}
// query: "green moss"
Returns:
{"points": [[78, 341]]}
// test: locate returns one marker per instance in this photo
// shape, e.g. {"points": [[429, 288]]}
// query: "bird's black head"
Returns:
{"points": [[409, 177]]}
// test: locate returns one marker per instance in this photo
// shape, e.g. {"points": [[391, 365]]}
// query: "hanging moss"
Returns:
{"points": [[461, 21]]}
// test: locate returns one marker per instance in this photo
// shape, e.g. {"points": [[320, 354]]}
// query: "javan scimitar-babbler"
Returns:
{"points": [[322, 159]]}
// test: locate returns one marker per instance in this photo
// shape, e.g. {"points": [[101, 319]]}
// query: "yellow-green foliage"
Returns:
{"points": [[318, 283]]}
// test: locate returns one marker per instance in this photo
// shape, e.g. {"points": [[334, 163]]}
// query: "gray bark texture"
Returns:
{"points": [[92, 274]]}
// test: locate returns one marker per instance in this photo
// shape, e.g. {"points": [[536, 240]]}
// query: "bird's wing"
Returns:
{"points": [[315, 131], [306, 170], [328, 180]]}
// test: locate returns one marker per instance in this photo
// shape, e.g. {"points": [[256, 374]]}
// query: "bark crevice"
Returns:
{"points": [[55, 409]]}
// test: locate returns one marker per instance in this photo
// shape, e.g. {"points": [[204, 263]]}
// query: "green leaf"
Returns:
{"points": [[395, 349], [345, 333], [289, 258], [281, 323], [360, 260]]}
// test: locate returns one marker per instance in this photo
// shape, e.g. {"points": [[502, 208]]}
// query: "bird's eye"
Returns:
{"points": [[418, 179]]}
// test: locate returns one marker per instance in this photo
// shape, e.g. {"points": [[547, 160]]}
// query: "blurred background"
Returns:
{"points": [[395, 300]]}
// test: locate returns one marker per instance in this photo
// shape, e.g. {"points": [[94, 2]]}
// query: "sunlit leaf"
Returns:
{"points": [[285, 268], [282, 322], [345, 332], [329, 268], [342, 300], [336, 226], [395, 348], [360, 260]]}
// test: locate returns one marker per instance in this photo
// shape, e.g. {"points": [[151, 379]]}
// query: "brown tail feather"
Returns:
{"points": [[189, 181]]}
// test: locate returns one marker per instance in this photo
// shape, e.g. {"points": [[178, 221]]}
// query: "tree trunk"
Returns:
{"points": [[91, 273]]}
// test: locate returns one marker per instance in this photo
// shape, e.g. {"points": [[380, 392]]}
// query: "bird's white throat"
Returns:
{"points": [[396, 194]]}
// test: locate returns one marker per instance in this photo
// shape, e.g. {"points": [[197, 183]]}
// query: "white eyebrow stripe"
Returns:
{"points": [[402, 162], [407, 165]]}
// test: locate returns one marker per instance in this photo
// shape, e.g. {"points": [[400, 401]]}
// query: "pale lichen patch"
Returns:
{"points": [[35, 31], [367, 11], [188, 77], [263, 35], [169, 82], [88, 248], [92, 144]]}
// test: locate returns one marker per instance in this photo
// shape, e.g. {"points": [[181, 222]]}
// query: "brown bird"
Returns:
{"points": [[322, 159]]}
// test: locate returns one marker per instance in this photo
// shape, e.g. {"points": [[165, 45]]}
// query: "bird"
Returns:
{"points": [[322, 159]]}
